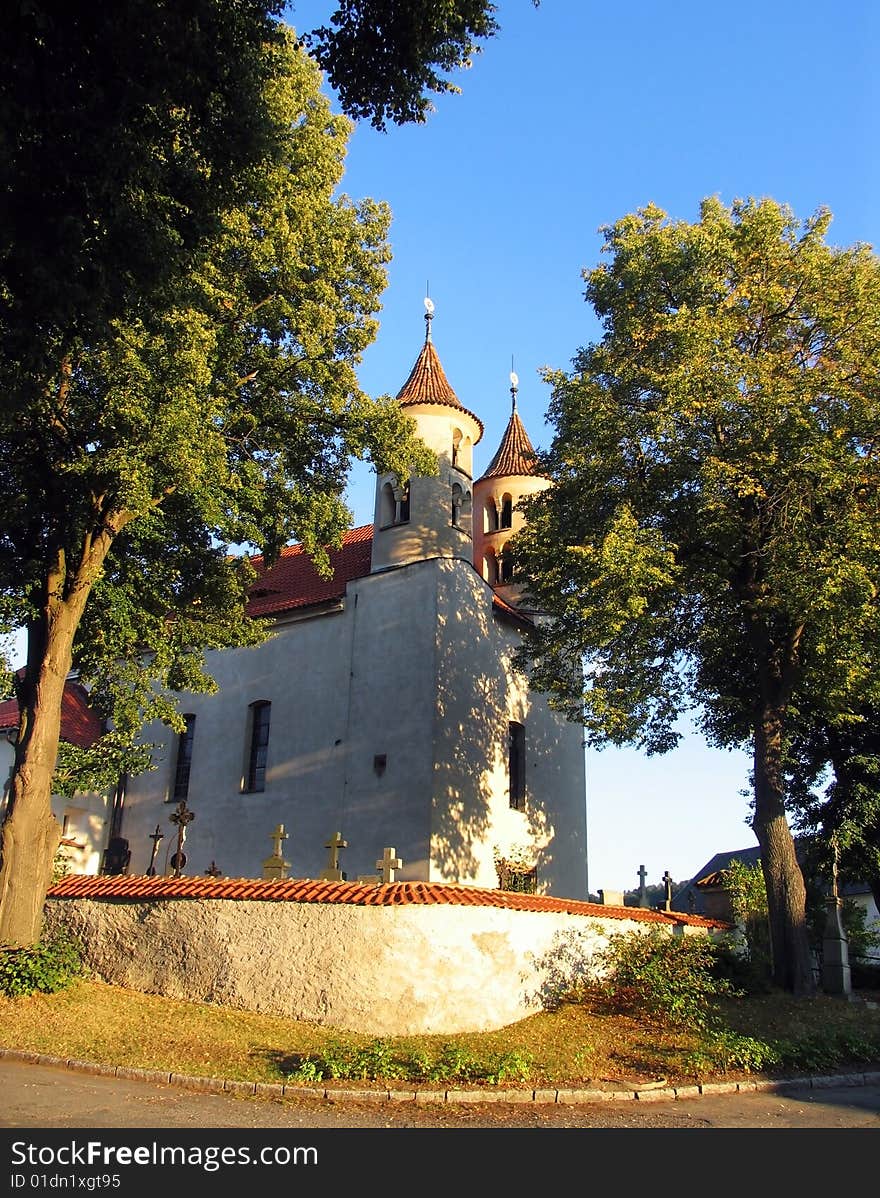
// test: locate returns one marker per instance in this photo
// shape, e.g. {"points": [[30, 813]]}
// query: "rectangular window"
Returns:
{"points": [[184, 760], [255, 778], [516, 764]]}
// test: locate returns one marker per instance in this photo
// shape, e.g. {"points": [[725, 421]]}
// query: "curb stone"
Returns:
{"points": [[568, 1097]]}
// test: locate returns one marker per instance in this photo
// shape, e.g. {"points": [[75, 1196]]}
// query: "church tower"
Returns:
{"points": [[511, 476], [429, 517]]}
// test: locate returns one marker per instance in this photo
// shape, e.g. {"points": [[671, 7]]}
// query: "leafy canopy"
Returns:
{"points": [[711, 537], [226, 414]]}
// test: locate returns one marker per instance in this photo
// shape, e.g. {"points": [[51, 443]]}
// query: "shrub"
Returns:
{"points": [[49, 966], [667, 977]]}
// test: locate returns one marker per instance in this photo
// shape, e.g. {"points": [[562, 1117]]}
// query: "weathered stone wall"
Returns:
{"points": [[383, 970]]}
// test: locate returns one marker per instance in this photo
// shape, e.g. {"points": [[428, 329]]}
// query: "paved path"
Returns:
{"points": [[48, 1096]]}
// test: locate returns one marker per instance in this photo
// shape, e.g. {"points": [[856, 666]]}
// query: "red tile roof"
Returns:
{"points": [[79, 724], [389, 894], [294, 582], [428, 384], [515, 455]]}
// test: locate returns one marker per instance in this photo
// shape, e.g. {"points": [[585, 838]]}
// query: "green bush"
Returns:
{"points": [[379, 1061], [669, 978], [49, 966]]}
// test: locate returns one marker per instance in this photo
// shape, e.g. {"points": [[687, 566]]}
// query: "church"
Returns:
{"points": [[383, 711]]}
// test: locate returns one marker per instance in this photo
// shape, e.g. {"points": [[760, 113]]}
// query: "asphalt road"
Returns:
{"points": [[42, 1096], [52, 1118]]}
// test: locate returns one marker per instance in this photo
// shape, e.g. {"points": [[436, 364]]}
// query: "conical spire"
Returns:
{"points": [[427, 382], [515, 454]]}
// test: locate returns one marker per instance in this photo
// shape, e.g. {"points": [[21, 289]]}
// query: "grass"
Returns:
{"points": [[584, 1042]]}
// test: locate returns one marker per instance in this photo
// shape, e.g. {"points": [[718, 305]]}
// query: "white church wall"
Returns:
{"points": [[84, 819], [478, 694], [379, 970], [347, 689]]}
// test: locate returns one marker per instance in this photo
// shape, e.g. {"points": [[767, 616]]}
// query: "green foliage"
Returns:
{"points": [[48, 966], [382, 56], [747, 892], [668, 978], [380, 1060], [711, 540]]}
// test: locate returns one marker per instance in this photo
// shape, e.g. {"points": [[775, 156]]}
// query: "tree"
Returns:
{"points": [[843, 819], [711, 538], [152, 433], [381, 55]]}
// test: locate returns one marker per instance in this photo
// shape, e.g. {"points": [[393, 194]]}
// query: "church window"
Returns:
{"points": [[516, 764], [456, 446], [183, 763], [490, 516], [490, 568], [457, 495], [505, 566], [258, 747], [394, 505], [506, 511]]}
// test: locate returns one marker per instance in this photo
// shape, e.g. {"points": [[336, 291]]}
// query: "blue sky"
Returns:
{"points": [[574, 115]]}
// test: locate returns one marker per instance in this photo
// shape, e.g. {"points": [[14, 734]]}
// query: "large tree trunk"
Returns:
{"points": [[31, 834], [786, 893]]}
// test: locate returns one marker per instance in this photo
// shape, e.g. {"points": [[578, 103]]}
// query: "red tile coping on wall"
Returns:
{"points": [[388, 894]]}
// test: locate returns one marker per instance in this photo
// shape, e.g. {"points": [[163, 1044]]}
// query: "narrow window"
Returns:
{"points": [[490, 516], [456, 445], [255, 779], [184, 760], [506, 511], [403, 506], [490, 568], [387, 506], [505, 566], [516, 764], [456, 505]]}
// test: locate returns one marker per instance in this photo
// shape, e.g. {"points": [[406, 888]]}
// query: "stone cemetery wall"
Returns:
{"points": [[379, 969]]}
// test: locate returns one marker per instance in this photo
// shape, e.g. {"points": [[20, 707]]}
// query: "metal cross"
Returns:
{"points": [[156, 837], [213, 872], [180, 816]]}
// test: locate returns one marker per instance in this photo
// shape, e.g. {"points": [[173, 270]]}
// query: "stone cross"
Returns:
{"points": [[643, 894], [277, 836], [333, 873], [387, 864], [667, 882], [275, 866], [180, 816], [156, 837]]}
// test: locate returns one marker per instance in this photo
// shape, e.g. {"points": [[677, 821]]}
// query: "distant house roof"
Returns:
{"points": [[79, 724], [690, 896]]}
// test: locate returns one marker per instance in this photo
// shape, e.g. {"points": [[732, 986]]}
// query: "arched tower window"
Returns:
{"points": [[456, 446], [505, 566], [490, 567], [506, 511], [490, 516], [456, 505], [394, 505]]}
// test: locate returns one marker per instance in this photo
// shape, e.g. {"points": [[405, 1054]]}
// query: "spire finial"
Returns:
{"points": [[429, 314], [514, 384]]}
